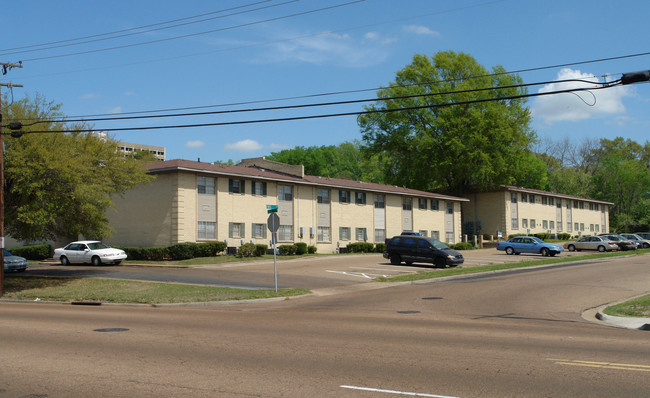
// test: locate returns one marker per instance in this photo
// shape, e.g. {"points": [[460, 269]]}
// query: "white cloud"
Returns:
{"points": [[244, 146], [421, 30], [581, 105], [117, 109], [194, 144], [89, 96], [330, 49]]}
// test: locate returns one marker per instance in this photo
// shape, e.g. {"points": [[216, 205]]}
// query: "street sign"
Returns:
{"points": [[273, 222], [271, 209]]}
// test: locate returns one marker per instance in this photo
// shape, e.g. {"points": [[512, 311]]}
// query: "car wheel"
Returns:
{"points": [[601, 248], [646, 245], [64, 260], [440, 262], [96, 261], [571, 248], [553, 254], [545, 252], [510, 251], [395, 259]]}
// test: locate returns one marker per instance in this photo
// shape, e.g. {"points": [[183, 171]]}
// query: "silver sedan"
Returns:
{"points": [[600, 243]]}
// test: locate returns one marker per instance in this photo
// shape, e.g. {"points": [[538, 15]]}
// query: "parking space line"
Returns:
{"points": [[412, 394]]}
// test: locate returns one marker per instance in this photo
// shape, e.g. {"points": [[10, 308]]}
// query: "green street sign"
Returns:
{"points": [[272, 207]]}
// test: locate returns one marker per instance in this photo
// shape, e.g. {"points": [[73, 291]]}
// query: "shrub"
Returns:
{"points": [[301, 248], [462, 246], [208, 249], [260, 250], [246, 250], [180, 251], [311, 249], [286, 250], [33, 252], [144, 253], [564, 236], [543, 236], [380, 247], [360, 247]]}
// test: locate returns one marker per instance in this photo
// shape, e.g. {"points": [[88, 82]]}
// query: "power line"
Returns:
{"points": [[152, 30], [312, 105], [322, 116], [196, 34]]}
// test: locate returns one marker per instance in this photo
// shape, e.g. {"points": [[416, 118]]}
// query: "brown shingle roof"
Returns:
{"points": [[265, 174], [546, 193]]}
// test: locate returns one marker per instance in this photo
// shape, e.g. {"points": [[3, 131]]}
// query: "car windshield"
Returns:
{"points": [[614, 238], [98, 246], [6, 252], [537, 240], [437, 244]]}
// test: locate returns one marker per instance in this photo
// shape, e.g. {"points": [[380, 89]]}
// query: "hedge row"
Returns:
{"points": [[251, 250], [299, 248], [179, 251], [34, 252]]}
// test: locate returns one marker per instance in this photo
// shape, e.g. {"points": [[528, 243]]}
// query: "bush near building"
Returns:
{"points": [[33, 252]]}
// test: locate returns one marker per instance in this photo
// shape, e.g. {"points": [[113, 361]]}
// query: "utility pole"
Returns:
{"points": [[5, 67]]}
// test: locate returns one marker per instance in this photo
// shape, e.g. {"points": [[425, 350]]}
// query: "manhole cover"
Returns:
{"points": [[408, 312], [111, 330]]}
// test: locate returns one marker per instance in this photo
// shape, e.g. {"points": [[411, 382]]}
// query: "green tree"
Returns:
{"points": [[449, 146], [60, 184], [345, 160]]}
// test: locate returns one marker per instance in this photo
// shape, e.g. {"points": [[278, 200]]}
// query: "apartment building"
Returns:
{"points": [[191, 201], [514, 210]]}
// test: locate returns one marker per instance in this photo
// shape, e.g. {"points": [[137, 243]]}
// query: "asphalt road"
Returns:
{"points": [[515, 334]]}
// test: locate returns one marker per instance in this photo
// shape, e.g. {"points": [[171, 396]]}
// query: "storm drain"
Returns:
{"points": [[111, 330]]}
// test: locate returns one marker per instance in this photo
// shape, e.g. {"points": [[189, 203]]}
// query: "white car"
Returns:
{"points": [[89, 251]]}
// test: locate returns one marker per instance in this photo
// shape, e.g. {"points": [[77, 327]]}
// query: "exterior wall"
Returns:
{"points": [[169, 210], [145, 216], [535, 213]]}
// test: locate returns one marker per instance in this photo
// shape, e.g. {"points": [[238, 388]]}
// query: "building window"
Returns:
{"points": [[597, 228], [544, 200], [422, 204], [380, 235], [344, 233], [559, 203], [324, 234], [323, 196], [285, 193], [380, 201], [407, 204], [596, 207], [582, 226], [285, 233], [235, 230], [360, 198], [259, 231], [435, 235], [207, 230], [423, 232], [531, 198], [551, 201], [258, 188], [515, 223], [344, 196], [361, 234], [524, 223], [449, 237], [591, 227], [524, 197], [236, 186], [205, 185], [568, 227], [513, 197], [450, 208], [551, 225], [576, 226], [435, 205], [532, 223]]}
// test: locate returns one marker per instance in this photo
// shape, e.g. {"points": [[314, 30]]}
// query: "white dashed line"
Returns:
{"points": [[412, 394]]}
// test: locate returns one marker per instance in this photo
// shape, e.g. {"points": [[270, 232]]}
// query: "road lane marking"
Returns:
{"points": [[383, 269], [359, 274], [602, 365], [412, 394]]}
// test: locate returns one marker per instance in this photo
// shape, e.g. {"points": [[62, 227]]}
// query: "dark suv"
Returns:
{"points": [[421, 249]]}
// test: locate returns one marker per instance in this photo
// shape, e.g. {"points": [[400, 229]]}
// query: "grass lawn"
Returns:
{"points": [[20, 287], [638, 307]]}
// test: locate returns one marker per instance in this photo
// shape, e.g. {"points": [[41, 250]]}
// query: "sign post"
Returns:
{"points": [[273, 223]]}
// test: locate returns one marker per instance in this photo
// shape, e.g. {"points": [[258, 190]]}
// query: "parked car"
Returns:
{"points": [[89, 251], [421, 249], [644, 235], [529, 244], [411, 233], [14, 263], [623, 244], [642, 243], [600, 243]]}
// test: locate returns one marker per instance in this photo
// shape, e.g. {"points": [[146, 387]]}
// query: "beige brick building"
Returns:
{"points": [[192, 202], [514, 210]]}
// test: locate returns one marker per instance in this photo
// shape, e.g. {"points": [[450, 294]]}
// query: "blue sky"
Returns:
{"points": [[278, 49]]}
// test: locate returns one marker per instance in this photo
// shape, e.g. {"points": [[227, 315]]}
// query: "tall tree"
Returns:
{"points": [[60, 184], [455, 144]]}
